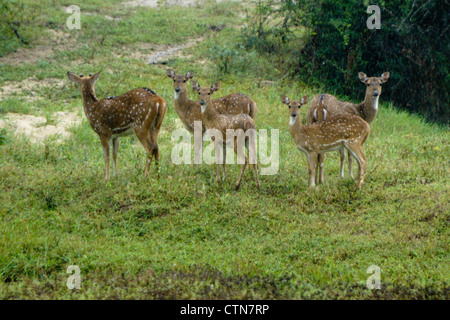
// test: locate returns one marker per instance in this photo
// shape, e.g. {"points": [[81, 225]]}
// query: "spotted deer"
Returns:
{"points": [[341, 131], [331, 106], [140, 111], [189, 110], [242, 123]]}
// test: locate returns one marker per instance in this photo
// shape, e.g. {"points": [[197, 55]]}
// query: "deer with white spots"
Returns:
{"points": [[330, 106], [190, 111], [242, 123], [140, 111], [341, 131]]}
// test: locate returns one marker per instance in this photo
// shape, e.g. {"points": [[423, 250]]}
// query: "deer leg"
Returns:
{"points": [[218, 146], [156, 155], [321, 159], [238, 182], [146, 142], [342, 156], [252, 158], [350, 165], [224, 161], [358, 154], [105, 145], [312, 167], [198, 152], [115, 149]]}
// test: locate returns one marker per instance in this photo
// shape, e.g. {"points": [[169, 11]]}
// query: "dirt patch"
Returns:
{"points": [[37, 129], [106, 16], [28, 87], [157, 53], [27, 55], [56, 41], [170, 51], [156, 3]]}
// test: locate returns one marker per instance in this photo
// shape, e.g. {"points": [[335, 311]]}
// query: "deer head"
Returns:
{"points": [[82, 80], [374, 83], [204, 93], [294, 107], [180, 80]]}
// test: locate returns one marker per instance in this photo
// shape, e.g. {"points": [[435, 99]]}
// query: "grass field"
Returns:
{"points": [[183, 236]]}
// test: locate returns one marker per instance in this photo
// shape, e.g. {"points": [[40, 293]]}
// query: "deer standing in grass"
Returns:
{"points": [[190, 111], [140, 111], [341, 131], [224, 123], [330, 106]]}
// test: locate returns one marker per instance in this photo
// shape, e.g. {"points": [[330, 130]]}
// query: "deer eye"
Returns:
{"points": [[289, 107], [81, 75], [184, 80], [90, 74]]}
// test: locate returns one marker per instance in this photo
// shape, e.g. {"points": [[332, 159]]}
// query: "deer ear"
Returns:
{"points": [[215, 86], [385, 76], [195, 86], [284, 99], [73, 77], [363, 77], [190, 74], [170, 73], [95, 77], [304, 100]]}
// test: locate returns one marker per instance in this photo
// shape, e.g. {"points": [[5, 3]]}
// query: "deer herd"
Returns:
{"points": [[332, 125]]}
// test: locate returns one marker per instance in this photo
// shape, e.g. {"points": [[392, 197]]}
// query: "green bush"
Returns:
{"points": [[235, 59], [412, 44], [17, 25]]}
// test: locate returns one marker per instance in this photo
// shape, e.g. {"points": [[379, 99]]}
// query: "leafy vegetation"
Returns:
{"points": [[182, 236], [328, 42]]}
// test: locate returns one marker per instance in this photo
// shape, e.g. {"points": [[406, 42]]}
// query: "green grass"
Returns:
{"points": [[182, 236]]}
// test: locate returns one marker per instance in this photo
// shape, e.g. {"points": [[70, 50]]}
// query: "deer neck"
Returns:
{"points": [[297, 131], [208, 113], [89, 98], [369, 108], [181, 100]]}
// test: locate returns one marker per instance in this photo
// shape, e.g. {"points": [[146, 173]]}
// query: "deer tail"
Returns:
{"points": [[160, 114], [253, 109]]}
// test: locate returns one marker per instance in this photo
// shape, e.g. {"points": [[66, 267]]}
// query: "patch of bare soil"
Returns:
{"points": [[170, 51], [37, 129], [157, 3], [28, 87], [157, 53], [56, 41]]}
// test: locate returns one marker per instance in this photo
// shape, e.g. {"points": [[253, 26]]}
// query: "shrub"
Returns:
{"points": [[412, 44]]}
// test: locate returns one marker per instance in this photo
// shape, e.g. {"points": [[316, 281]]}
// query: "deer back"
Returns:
{"points": [[135, 109], [332, 107]]}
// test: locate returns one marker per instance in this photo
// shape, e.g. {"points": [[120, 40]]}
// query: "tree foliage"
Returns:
{"points": [[327, 42]]}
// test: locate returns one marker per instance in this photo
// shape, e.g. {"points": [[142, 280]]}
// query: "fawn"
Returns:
{"points": [[367, 110], [140, 111], [224, 123], [189, 111], [341, 131]]}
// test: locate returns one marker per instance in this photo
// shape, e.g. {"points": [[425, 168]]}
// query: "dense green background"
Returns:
{"points": [[327, 43]]}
